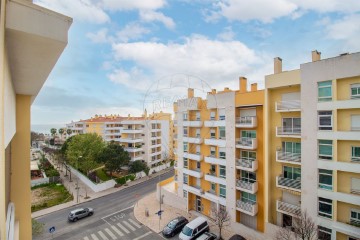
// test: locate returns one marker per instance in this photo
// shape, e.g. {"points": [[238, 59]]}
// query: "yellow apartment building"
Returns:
{"points": [[30, 45]]}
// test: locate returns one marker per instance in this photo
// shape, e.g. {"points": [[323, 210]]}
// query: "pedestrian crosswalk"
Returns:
{"points": [[113, 232]]}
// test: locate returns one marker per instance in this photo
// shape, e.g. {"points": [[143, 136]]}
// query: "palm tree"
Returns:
{"points": [[53, 131], [61, 131], [68, 131]]}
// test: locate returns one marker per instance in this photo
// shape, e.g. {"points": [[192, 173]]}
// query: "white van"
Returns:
{"points": [[194, 229]]}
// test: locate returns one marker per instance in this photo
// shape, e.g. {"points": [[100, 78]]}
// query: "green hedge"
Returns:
{"points": [[124, 179]]}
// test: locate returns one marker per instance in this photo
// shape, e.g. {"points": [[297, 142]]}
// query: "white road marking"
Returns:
{"points": [[110, 233], [118, 211], [134, 223], [102, 235], [142, 236], [86, 238], [123, 228], [94, 237], [117, 231], [129, 226]]}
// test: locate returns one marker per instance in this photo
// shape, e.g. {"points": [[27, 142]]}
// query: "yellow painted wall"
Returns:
{"points": [[344, 150], [166, 181], [341, 236], [343, 87], [344, 118], [287, 78], [344, 181], [343, 211], [20, 167]]}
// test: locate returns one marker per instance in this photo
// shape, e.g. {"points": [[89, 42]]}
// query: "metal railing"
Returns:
{"points": [[245, 185], [247, 120], [245, 162], [245, 141], [289, 183], [289, 156], [288, 131], [246, 206], [288, 208]]}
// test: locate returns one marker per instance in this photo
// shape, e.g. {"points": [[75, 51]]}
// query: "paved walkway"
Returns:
{"points": [[85, 193], [151, 204]]}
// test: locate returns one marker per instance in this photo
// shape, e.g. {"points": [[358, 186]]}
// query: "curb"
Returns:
{"points": [[92, 198]]}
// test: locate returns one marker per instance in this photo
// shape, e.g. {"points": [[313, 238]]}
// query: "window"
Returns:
{"points": [[325, 120], [197, 116], [222, 155], [355, 154], [213, 187], [355, 122], [185, 162], [355, 185], [291, 147], [325, 207], [185, 131], [185, 146], [222, 171], [185, 116], [248, 198], [325, 149], [222, 191], [186, 178], [355, 217], [197, 132], [212, 133], [212, 115], [325, 179], [248, 176], [248, 155], [324, 91], [212, 151], [185, 194], [292, 172], [355, 90], [222, 114], [324, 233], [291, 125], [222, 132], [248, 134]]}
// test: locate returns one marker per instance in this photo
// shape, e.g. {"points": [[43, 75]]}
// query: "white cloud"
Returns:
{"points": [[227, 35], [81, 10], [151, 16], [131, 31], [323, 6], [126, 5], [100, 36]]}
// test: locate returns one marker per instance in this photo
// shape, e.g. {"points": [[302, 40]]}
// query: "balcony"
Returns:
{"points": [[355, 159], [214, 197], [215, 142], [246, 207], [212, 159], [132, 131], [193, 189], [156, 130], [250, 165], [213, 178], [288, 183], [288, 132], [193, 156], [288, 106], [139, 157], [246, 122], [215, 123], [108, 133], [130, 140], [193, 172], [196, 140], [287, 157], [247, 186], [246, 143], [196, 123], [133, 149], [288, 209], [156, 145]]}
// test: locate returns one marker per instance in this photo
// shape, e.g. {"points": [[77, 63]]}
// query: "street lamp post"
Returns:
{"points": [[77, 181]]}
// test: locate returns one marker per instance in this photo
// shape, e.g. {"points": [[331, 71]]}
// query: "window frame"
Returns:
{"points": [[222, 132], [357, 87], [244, 154], [185, 162], [357, 212], [324, 156], [222, 188], [185, 194], [248, 198], [325, 98], [325, 230], [325, 201], [247, 176], [355, 158], [222, 169], [323, 115], [292, 172], [185, 177], [325, 186]]}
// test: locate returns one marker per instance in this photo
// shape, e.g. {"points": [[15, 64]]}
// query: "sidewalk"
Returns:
{"points": [[85, 191], [150, 203]]}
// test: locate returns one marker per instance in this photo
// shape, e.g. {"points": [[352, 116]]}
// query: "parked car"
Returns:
{"points": [[79, 213], [194, 229], [174, 226], [207, 236], [237, 237]]}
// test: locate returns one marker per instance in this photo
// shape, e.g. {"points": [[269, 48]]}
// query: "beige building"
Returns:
{"points": [[32, 39]]}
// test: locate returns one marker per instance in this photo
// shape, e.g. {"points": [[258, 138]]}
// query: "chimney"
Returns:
{"points": [[190, 92], [213, 91], [226, 89], [254, 87], [277, 65], [243, 84], [315, 56]]}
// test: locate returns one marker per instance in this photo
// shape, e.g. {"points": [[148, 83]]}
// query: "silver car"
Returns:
{"points": [[80, 213]]}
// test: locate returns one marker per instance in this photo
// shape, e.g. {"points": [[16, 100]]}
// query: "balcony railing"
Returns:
{"points": [[246, 143], [288, 131], [288, 106], [246, 122], [288, 208], [355, 159], [247, 164], [288, 183], [288, 157], [247, 186], [247, 207]]}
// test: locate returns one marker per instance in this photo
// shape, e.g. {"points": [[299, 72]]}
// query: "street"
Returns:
{"points": [[113, 217]]}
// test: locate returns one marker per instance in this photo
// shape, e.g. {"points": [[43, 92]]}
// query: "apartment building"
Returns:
{"points": [[219, 154], [147, 138], [29, 49], [312, 130]]}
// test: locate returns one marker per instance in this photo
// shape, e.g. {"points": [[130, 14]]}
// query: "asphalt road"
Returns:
{"points": [[112, 213]]}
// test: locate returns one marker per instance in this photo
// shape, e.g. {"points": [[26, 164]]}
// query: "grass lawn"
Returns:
{"points": [[102, 174], [48, 195]]}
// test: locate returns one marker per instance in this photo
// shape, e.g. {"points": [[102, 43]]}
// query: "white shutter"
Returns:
{"points": [[212, 114], [355, 122], [198, 148], [290, 96], [355, 185], [221, 111], [248, 112], [222, 149]]}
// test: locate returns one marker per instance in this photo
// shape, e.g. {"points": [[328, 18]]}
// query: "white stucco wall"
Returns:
{"points": [[9, 106]]}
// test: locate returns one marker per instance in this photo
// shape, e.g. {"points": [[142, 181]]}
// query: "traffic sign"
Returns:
{"points": [[52, 229], [159, 212]]}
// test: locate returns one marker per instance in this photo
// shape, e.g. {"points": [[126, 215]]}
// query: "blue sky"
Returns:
{"points": [[127, 55]]}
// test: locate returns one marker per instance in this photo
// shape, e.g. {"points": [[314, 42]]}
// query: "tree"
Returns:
{"points": [[68, 131], [53, 131], [83, 150], [303, 227], [221, 218], [61, 131], [114, 157], [139, 166], [37, 228]]}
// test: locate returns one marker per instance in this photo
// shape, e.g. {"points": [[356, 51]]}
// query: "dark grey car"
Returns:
{"points": [[80, 213]]}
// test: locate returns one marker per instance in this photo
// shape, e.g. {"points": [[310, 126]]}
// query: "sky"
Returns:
{"points": [[127, 55]]}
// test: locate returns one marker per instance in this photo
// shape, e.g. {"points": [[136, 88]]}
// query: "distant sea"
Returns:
{"points": [[45, 128]]}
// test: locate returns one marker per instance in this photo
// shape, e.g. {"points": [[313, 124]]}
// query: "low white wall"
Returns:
{"points": [[157, 169], [95, 187], [171, 199], [39, 181]]}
